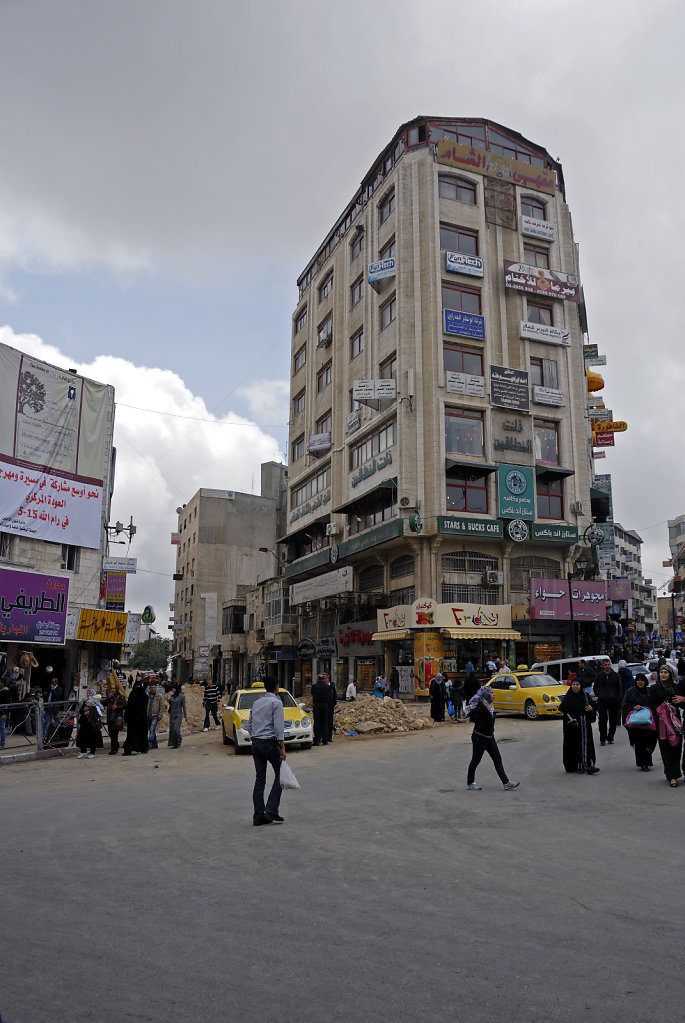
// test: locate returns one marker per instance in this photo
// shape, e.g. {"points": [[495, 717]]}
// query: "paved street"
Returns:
{"points": [[139, 890]]}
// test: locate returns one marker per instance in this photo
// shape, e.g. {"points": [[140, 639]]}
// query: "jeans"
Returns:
{"points": [[607, 712], [152, 729], [481, 745], [210, 707], [266, 751]]}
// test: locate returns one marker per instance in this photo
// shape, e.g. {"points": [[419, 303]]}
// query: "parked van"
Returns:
{"points": [[560, 669]]}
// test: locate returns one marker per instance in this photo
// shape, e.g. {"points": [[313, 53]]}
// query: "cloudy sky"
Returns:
{"points": [[169, 167]]}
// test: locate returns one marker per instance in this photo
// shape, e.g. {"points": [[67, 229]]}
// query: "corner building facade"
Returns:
{"points": [[439, 440]]}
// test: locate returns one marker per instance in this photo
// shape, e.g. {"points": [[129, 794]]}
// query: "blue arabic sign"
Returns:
{"points": [[464, 324]]}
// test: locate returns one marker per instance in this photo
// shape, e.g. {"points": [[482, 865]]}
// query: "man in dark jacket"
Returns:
{"points": [[332, 700], [609, 692], [321, 696]]}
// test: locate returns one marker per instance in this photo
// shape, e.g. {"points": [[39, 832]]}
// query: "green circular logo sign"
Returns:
{"points": [[516, 482]]}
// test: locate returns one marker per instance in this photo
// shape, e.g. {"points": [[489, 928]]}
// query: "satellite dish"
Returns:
{"points": [[179, 510]]}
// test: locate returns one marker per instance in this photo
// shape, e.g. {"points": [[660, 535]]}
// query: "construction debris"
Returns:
{"points": [[367, 715]]}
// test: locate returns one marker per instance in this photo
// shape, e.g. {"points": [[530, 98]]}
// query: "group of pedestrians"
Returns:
{"points": [[140, 713]]}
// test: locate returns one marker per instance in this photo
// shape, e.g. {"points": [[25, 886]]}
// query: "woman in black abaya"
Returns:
{"points": [[665, 702], [438, 694], [135, 716], [643, 740], [579, 747]]}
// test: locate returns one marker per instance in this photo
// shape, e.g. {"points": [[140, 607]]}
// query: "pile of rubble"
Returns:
{"points": [[368, 715]]}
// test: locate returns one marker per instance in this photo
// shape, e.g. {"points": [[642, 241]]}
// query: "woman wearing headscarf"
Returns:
{"points": [[437, 694], [177, 712], [116, 704], [626, 676], [578, 712], [482, 714], [665, 702], [641, 738], [135, 716], [88, 733]]}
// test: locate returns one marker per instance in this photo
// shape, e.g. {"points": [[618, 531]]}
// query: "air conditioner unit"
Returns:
{"points": [[409, 502], [324, 340], [494, 578], [332, 529], [576, 507]]}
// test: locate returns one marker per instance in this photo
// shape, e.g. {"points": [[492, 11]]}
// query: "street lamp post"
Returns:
{"points": [[578, 573]]}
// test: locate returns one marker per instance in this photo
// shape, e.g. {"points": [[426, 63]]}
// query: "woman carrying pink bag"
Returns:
{"points": [[665, 700]]}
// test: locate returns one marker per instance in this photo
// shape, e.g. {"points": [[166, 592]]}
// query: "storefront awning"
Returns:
{"points": [[397, 634], [481, 633]]}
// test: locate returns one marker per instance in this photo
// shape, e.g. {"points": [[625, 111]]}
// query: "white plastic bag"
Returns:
{"points": [[288, 779]]}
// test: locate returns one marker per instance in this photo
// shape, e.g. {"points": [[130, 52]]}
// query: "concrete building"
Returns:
{"points": [[439, 439], [218, 560], [676, 534], [635, 611]]}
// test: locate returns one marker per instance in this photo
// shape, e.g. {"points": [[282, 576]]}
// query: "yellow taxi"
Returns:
{"points": [[532, 693], [236, 714]]}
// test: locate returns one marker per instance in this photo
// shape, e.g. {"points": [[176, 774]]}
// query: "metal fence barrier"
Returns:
{"points": [[38, 724]]}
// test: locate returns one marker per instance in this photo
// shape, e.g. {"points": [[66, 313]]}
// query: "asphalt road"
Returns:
{"points": [[138, 889]]}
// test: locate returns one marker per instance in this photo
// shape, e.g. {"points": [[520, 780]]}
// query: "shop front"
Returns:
{"points": [[359, 655]]}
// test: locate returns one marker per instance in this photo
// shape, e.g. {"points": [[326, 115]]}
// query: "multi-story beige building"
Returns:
{"points": [[439, 440]]}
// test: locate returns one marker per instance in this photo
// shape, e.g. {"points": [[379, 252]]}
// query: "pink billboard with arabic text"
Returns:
{"points": [[549, 600]]}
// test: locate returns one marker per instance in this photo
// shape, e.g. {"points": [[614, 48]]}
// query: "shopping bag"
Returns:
{"points": [[288, 779]]}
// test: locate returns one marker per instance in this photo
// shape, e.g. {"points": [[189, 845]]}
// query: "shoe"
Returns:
{"points": [[217, 727], [113, 752], [274, 818], [91, 756], [644, 768], [205, 729], [127, 753], [261, 820], [673, 783], [603, 742], [473, 787], [593, 770], [512, 784], [610, 742], [81, 756]]}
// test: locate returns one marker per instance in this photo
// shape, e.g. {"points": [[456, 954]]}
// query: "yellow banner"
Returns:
{"points": [[102, 626], [494, 166]]}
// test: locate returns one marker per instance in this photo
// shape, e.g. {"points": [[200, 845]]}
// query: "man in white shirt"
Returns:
{"points": [[266, 728], [351, 691]]}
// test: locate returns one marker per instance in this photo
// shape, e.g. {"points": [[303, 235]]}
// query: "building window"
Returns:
{"points": [[461, 298], [453, 593], [297, 449], [416, 136], [531, 207], [467, 492], [388, 250], [324, 377], [463, 360], [356, 291], [550, 495], [324, 423], [469, 561], [543, 373], [300, 320], [371, 579], [463, 432], [457, 239], [380, 506], [373, 444], [546, 438], [313, 486], [325, 331], [300, 358], [521, 570], [499, 143], [536, 255], [299, 402], [539, 313], [388, 368], [388, 312], [273, 608], [407, 595], [356, 246], [357, 344], [69, 561], [457, 188], [6, 546], [402, 566], [326, 288], [386, 206]]}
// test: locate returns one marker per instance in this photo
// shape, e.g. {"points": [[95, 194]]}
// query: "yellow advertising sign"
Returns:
{"points": [[600, 427], [100, 626], [493, 165]]}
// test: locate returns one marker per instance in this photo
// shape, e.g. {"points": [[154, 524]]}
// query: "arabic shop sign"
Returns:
{"points": [[537, 228], [509, 388], [512, 436], [553, 533], [464, 383], [319, 442], [549, 599], [373, 390], [538, 281], [382, 269], [99, 626], [33, 607], [470, 527], [372, 467], [426, 613], [542, 332], [460, 263], [464, 324], [115, 591], [516, 489], [547, 396], [311, 506], [492, 165]]}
